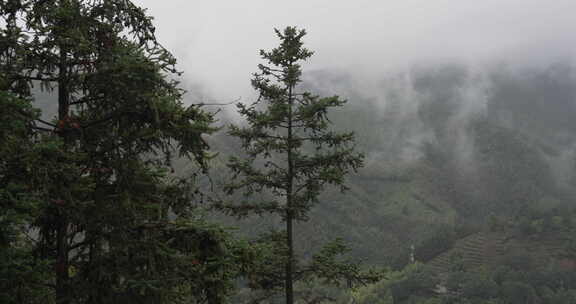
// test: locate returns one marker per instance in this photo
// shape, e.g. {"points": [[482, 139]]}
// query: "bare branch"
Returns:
{"points": [[46, 123], [219, 104]]}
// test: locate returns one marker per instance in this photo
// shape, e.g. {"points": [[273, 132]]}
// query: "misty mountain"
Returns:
{"points": [[448, 148]]}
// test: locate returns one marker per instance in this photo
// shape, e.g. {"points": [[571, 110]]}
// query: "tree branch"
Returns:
{"points": [[46, 123], [219, 104]]}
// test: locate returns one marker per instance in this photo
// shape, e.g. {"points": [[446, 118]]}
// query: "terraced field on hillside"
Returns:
{"points": [[485, 249]]}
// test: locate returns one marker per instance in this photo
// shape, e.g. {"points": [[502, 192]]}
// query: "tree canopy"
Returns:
{"points": [[88, 192]]}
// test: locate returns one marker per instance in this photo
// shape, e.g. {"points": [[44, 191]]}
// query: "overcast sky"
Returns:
{"points": [[217, 42]]}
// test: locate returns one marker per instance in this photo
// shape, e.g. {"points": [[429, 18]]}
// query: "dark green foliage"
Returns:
{"points": [[473, 286], [560, 297], [111, 225], [482, 288], [525, 283], [22, 277], [16, 116], [518, 262], [518, 293], [440, 239], [418, 283]]}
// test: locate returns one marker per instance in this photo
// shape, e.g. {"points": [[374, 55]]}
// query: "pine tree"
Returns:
{"points": [[292, 155], [22, 277], [113, 224]]}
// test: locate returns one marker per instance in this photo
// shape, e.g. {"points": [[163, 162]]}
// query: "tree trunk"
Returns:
{"points": [[62, 258], [289, 211]]}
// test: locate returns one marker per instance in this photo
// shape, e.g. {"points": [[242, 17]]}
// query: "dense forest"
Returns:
{"points": [[441, 183]]}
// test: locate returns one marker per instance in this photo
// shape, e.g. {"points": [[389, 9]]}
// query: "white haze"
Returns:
{"points": [[217, 42], [370, 50]]}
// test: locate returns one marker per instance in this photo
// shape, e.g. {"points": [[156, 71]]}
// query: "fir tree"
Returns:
{"points": [[292, 155], [113, 224]]}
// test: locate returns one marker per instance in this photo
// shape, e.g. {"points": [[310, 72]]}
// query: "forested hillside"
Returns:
{"points": [[449, 150], [452, 153]]}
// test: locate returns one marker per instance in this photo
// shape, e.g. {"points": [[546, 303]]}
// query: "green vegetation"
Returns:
{"points": [[515, 281], [463, 190], [292, 155], [89, 213]]}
